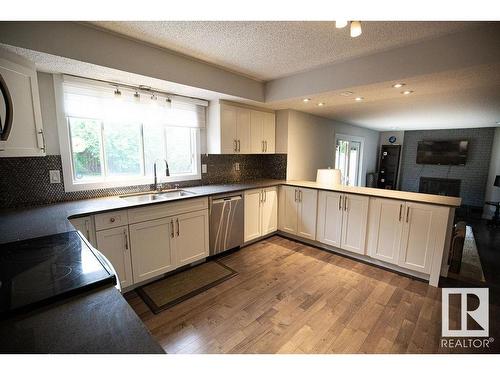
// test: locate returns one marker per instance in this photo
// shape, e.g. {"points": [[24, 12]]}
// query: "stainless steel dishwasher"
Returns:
{"points": [[226, 222]]}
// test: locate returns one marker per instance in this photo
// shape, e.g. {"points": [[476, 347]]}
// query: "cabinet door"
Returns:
{"points": [[329, 230], [86, 227], [269, 211], [191, 241], [26, 136], [269, 133], [114, 244], [288, 209], [385, 226], [243, 130], [256, 132], [354, 220], [422, 223], [151, 246], [228, 129], [252, 214], [308, 201]]}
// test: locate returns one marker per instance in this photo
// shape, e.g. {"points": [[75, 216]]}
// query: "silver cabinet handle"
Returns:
{"points": [[235, 148], [300, 195], [340, 202], [262, 148], [265, 195], [407, 213], [400, 211], [265, 146], [172, 228], [296, 199], [43, 139], [345, 202], [178, 227], [126, 239], [239, 145]]}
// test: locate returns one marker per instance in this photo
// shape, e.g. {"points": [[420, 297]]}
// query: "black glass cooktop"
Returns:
{"points": [[43, 270]]}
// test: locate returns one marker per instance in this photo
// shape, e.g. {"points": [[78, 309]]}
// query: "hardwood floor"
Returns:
{"points": [[292, 298]]}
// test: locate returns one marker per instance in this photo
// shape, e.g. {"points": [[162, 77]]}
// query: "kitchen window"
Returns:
{"points": [[110, 140]]}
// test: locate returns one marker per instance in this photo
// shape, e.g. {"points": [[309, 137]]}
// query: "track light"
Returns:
{"points": [[340, 24], [355, 29]]}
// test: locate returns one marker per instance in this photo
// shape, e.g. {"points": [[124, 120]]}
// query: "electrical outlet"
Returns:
{"points": [[236, 166], [203, 168], [55, 176]]}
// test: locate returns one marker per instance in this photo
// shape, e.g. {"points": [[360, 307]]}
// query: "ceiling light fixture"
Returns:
{"points": [[137, 97], [168, 102], [154, 97], [305, 100], [355, 29], [398, 85], [321, 104], [346, 93], [340, 24], [407, 92], [117, 92], [359, 98]]}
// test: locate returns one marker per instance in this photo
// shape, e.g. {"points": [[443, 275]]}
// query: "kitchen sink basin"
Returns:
{"points": [[156, 196]]}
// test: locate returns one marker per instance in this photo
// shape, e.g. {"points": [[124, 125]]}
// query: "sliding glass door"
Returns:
{"points": [[348, 153]]}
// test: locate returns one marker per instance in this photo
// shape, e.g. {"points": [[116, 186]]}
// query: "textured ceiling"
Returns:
{"points": [[269, 50]]}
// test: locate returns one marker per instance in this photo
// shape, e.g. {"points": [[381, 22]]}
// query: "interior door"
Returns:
{"points": [[115, 245], [269, 133], [308, 200], [252, 214], [228, 129], [418, 237], [256, 132], [288, 208], [330, 211], [385, 227], [354, 222], [243, 130], [191, 241], [151, 245], [269, 211]]}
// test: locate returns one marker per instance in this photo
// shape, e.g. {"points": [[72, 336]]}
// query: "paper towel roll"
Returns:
{"points": [[328, 177]]}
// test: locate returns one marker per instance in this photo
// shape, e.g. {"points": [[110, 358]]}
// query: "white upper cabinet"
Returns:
{"points": [[297, 211], [26, 137], [342, 220], [234, 129]]}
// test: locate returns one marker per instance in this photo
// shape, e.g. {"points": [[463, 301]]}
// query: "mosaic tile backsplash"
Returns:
{"points": [[25, 181]]}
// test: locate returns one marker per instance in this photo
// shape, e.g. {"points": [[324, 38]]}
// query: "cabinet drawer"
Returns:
{"points": [[111, 220], [157, 211]]}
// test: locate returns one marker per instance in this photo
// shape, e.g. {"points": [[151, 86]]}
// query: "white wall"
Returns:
{"points": [[493, 192], [309, 142]]}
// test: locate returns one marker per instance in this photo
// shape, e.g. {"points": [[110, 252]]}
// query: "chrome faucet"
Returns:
{"points": [[167, 173]]}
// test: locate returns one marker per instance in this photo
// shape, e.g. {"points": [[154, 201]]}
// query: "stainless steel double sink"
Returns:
{"points": [[156, 196]]}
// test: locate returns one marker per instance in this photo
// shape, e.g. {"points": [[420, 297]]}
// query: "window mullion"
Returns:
{"points": [[143, 162], [103, 153]]}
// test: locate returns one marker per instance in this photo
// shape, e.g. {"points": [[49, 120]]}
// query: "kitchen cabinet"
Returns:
{"points": [[26, 136], [191, 242], [405, 233], [342, 220], [152, 248], [86, 227], [261, 212], [115, 245], [262, 132], [297, 211], [234, 129]]}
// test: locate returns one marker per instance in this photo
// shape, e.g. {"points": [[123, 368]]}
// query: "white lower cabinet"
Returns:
{"points": [[86, 227], [261, 212], [297, 211], [342, 220], [191, 237], [405, 233], [152, 252], [115, 245]]}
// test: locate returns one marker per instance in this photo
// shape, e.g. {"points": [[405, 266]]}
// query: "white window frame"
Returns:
{"points": [[352, 138], [70, 185]]}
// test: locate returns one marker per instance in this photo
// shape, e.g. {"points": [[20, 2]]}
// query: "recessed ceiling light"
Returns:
{"points": [[305, 100], [346, 93], [359, 98], [407, 92], [398, 85], [340, 24], [321, 104]]}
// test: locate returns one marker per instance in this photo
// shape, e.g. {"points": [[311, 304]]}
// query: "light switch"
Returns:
{"points": [[55, 176], [203, 168], [236, 166]]}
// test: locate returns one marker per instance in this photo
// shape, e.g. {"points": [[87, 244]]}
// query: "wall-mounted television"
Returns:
{"points": [[442, 152]]}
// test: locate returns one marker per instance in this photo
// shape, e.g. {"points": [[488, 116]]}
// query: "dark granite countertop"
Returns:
{"points": [[26, 223], [100, 321]]}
